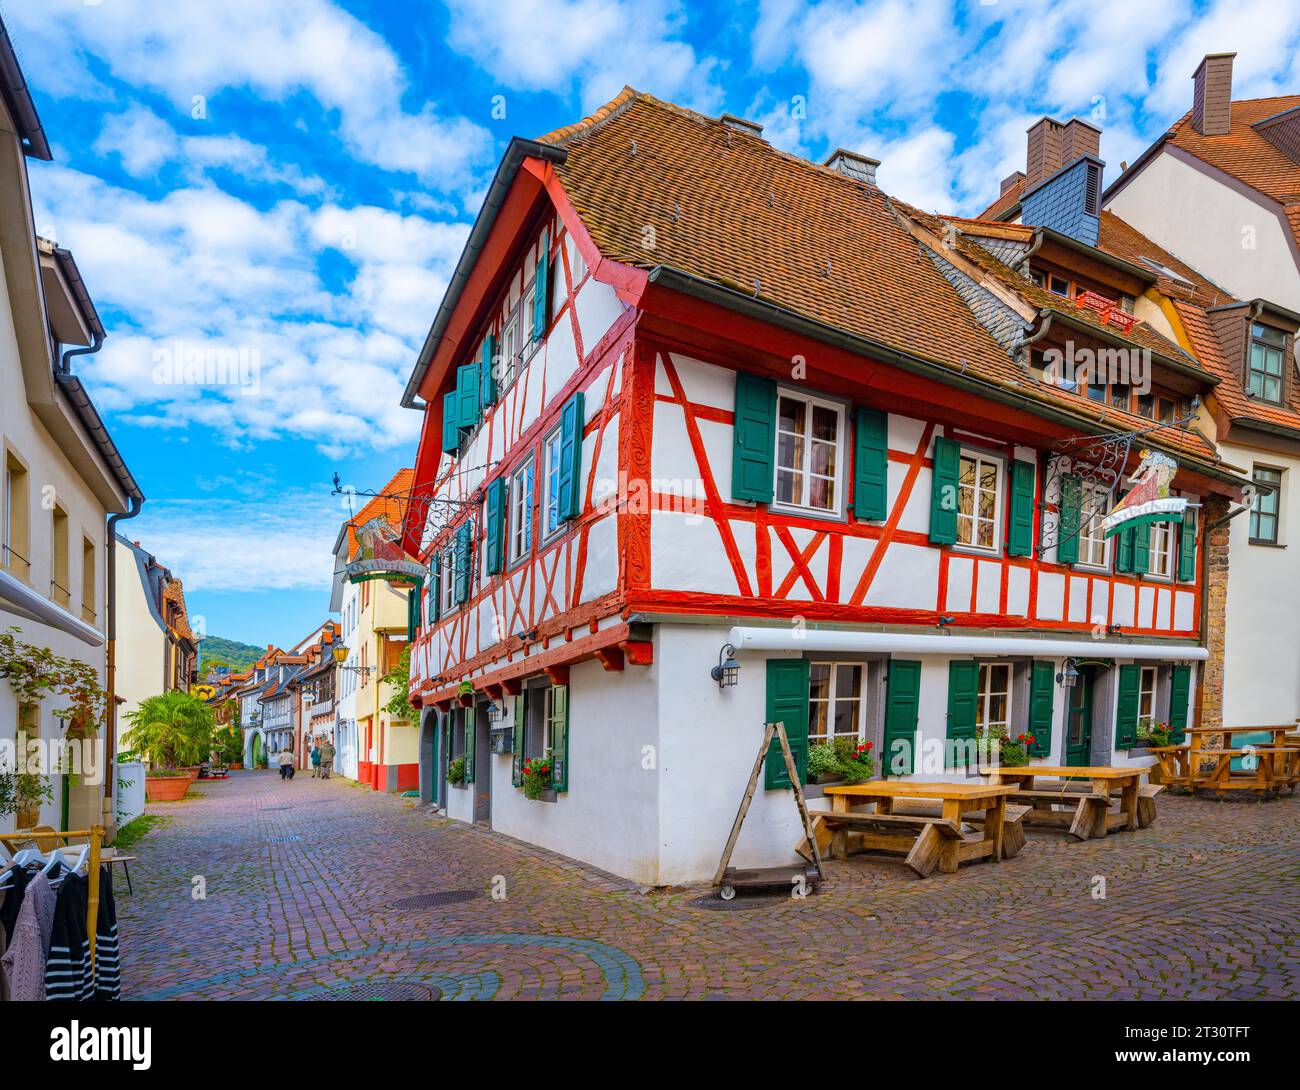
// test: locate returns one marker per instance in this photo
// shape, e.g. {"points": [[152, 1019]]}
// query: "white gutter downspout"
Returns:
{"points": [[786, 639]]}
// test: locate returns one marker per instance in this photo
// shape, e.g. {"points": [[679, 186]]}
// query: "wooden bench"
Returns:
{"points": [[1013, 829], [1147, 804], [920, 836], [1084, 814]]}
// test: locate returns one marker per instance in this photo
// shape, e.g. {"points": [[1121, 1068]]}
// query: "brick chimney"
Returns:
{"points": [[861, 168], [1212, 95], [1079, 138], [1044, 155], [1011, 180]]}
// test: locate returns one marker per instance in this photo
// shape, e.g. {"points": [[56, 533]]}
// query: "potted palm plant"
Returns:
{"points": [[172, 730]]}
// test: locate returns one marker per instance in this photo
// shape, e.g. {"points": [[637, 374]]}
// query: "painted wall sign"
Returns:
{"points": [[1149, 499]]}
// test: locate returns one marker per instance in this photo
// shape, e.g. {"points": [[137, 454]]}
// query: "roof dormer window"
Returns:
{"points": [[1266, 362]]}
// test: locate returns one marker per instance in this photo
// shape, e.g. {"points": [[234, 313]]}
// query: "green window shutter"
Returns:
{"points": [[470, 721], [435, 586], [1124, 550], [496, 525], [1042, 681], [902, 709], [464, 556], [753, 438], [963, 698], [1180, 690], [943, 492], [1067, 534], [787, 702], [487, 371], [542, 292], [413, 611], [467, 393], [1020, 536], [560, 738], [1187, 548], [1142, 548], [572, 418], [1126, 716], [871, 465], [450, 423], [519, 725]]}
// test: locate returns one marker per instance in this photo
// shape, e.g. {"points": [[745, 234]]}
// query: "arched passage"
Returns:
{"points": [[430, 778]]}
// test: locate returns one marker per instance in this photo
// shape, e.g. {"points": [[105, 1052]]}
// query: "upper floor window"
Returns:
{"points": [[1265, 368], [551, 462], [978, 501], [993, 710], [447, 581], [1147, 697], [1265, 509], [16, 543], [834, 700], [808, 438], [520, 517], [89, 602], [60, 579], [1094, 548], [1163, 542], [510, 351]]}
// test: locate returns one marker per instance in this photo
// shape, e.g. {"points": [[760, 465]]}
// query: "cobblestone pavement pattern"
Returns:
{"points": [[303, 882]]}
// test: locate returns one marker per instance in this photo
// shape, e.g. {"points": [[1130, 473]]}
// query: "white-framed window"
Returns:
{"points": [[993, 711], [809, 452], [579, 266], [551, 520], [509, 349], [519, 521], [979, 501], [1266, 507], [548, 720], [1163, 542], [526, 342], [447, 585], [834, 700], [1147, 696], [1094, 546]]}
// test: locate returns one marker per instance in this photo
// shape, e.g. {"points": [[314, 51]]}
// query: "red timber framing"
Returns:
{"points": [[544, 623]]}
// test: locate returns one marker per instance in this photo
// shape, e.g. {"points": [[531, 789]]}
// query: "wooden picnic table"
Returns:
{"points": [[941, 837], [1277, 762], [1087, 814]]}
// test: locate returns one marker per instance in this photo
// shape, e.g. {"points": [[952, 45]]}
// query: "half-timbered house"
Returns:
{"points": [[698, 411]]}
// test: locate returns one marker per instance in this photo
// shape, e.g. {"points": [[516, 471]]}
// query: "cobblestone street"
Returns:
{"points": [[305, 883]]}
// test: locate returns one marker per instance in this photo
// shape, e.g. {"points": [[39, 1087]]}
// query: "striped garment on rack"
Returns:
{"points": [[108, 976], [68, 973]]}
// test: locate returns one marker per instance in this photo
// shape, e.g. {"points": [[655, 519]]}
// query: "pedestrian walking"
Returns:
{"points": [[286, 764], [315, 760], [326, 759]]}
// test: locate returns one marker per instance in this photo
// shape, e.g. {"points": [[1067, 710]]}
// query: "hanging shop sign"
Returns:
{"points": [[1149, 499], [380, 555]]}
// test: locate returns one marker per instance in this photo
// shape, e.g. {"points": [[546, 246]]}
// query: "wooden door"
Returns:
{"points": [[1078, 720]]}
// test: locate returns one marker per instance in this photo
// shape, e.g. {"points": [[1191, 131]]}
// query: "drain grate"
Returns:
{"points": [[436, 900], [736, 904], [289, 838], [380, 991]]}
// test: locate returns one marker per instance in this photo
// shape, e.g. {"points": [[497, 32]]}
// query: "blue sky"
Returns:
{"points": [[292, 180]]}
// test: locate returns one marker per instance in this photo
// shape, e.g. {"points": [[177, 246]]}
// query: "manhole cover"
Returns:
{"points": [[736, 904], [434, 900], [394, 991], [288, 839]]}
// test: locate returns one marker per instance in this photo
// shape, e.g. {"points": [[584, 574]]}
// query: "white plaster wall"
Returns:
{"points": [[1204, 222], [141, 646], [128, 792], [598, 308], [1261, 684], [608, 815]]}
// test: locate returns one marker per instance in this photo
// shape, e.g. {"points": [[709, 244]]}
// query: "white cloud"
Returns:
{"points": [[205, 276], [239, 544], [596, 45], [275, 48]]}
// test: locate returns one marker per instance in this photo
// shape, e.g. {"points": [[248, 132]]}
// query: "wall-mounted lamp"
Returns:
{"points": [[1114, 630], [341, 658], [1067, 678], [727, 672], [944, 621]]}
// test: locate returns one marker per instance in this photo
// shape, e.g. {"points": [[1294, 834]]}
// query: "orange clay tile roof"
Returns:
{"points": [[728, 207], [390, 504], [725, 206], [1005, 202], [175, 592]]}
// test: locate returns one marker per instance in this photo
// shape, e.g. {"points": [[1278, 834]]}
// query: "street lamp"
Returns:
{"points": [[727, 672], [1069, 676], [341, 653]]}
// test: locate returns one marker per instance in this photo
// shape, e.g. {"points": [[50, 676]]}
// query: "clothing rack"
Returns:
{"points": [[95, 834]]}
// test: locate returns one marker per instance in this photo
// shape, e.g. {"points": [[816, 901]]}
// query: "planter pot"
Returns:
{"points": [[235, 766], [27, 819], [193, 771], [166, 788]]}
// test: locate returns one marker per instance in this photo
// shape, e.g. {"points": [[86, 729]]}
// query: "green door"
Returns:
{"points": [[257, 750], [1078, 720]]}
